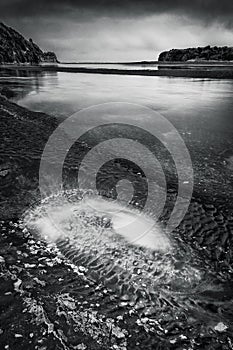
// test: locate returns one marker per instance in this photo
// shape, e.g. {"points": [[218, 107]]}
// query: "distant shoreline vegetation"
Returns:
{"points": [[198, 54]]}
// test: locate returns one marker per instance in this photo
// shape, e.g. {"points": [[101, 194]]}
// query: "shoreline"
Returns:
{"points": [[19, 122], [226, 72], [43, 285]]}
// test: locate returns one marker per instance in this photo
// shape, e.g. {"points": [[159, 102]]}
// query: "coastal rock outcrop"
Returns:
{"points": [[14, 48], [206, 53]]}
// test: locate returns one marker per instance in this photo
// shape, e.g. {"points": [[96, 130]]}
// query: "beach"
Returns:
{"points": [[49, 302], [116, 175], [214, 70]]}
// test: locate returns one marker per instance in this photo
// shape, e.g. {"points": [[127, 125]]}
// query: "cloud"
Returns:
{"points": [[208, 10], [119, 30]]}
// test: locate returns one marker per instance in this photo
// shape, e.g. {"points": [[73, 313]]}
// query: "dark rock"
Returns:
{"points": [[49, 57], [14, 48], [206, 53], [7, 92]]}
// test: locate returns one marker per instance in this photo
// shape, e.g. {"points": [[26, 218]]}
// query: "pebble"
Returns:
{"points": [[28, 266], [125, 297], [183, 337], [82, 269], [42, 283], [81, 347], [120, 318], [220, 327], [17, 284], [123, 304]]}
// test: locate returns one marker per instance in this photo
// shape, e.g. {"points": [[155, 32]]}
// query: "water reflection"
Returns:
{"points": [[23, 82], [201, 110]]}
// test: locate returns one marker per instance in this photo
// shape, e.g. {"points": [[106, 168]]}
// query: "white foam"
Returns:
{"points": [[135, 227], [130, 224]]}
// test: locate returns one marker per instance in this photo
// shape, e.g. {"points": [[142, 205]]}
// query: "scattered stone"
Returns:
{"points": [[29, 266], [4, 172], [120, 318], [17, 285], [125, 297], [183, 337], [123, 304], [42, 283], [17, 335], [81, 347], [220, 327], [82, 269]]}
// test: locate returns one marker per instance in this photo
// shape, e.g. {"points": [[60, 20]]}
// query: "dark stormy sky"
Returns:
{"points": [[120, 30]]}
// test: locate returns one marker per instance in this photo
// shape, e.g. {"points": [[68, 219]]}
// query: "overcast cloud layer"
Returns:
{"points": [[120, 30]]}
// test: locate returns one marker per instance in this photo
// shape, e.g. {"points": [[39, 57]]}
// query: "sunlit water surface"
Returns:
{"points": [[100, 234], [200, 109]]}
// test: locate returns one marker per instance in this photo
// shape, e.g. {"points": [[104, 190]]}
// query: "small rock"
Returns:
{"points": [[4, 172], [144, 319], [120, 318], [183, 337], [29, 266], [220, 327], [125, 297], [17, 285], [42, 283], [81, 347], [82, 269], [123, 304]]}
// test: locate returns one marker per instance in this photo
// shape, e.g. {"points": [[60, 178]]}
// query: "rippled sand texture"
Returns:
{"points": [[102, 242]]}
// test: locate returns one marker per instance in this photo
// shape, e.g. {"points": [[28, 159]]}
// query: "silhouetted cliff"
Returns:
{"points": [[14, 48], [206, 53]]}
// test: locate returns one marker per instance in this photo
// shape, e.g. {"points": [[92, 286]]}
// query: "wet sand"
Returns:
{"points": [[211, 71], [46, 302]]}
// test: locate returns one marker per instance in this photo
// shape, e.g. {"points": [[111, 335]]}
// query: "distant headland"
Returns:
{"points": [[195, 54], [14, 48]]}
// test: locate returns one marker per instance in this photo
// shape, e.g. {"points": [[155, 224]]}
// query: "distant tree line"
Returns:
{"points": [[206, 53]]}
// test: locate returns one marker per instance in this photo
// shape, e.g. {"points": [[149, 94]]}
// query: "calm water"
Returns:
{"points": [[126, 66], [200, 109]]}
